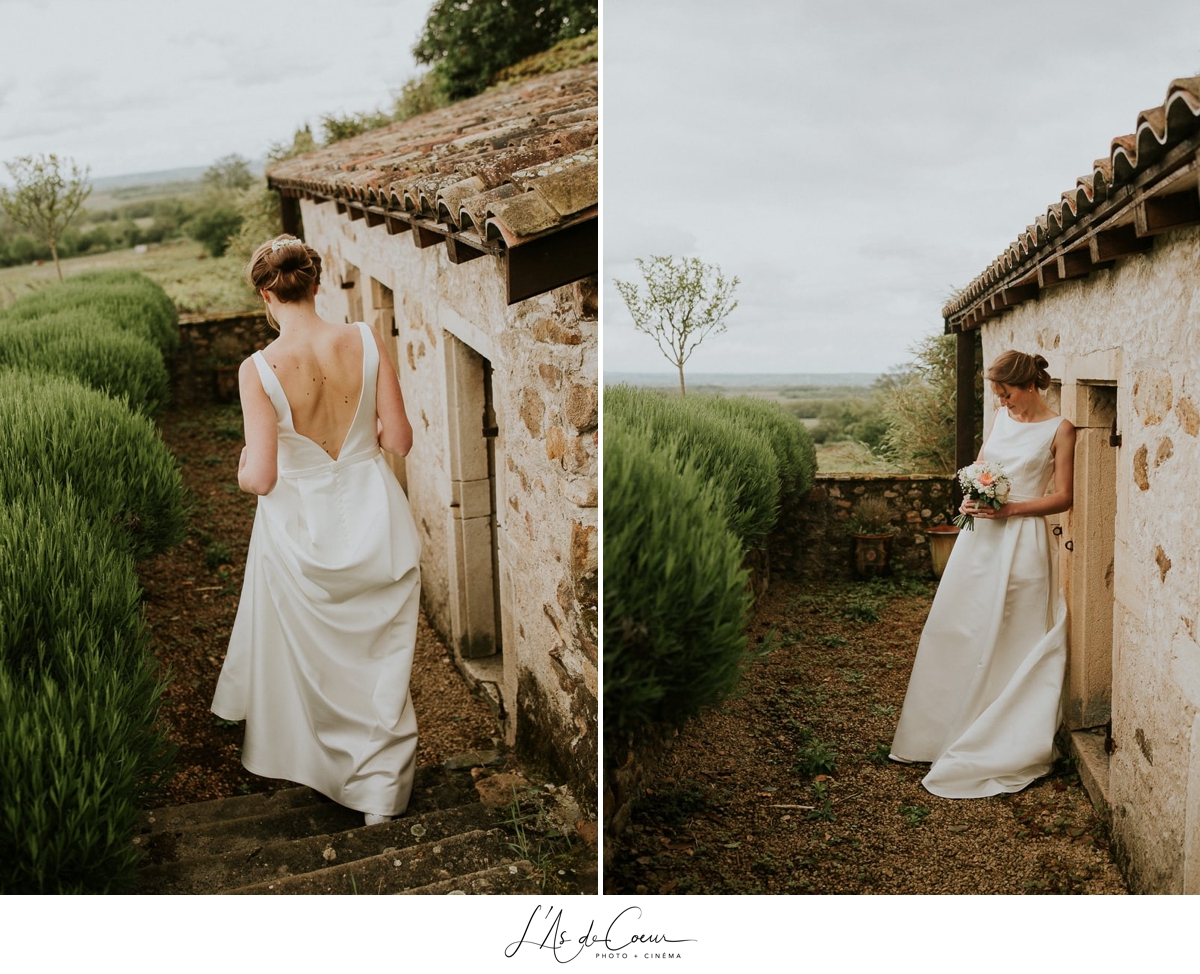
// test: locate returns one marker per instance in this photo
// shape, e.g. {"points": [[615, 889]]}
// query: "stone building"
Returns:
{"points": [[1105, 286], [468, 237]]}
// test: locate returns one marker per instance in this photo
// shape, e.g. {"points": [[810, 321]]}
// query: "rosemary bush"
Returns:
{"points": [[675, 596], [60, 432], [79, 750], [738, 461], [124, 300], [116, 362], [788, 438]]}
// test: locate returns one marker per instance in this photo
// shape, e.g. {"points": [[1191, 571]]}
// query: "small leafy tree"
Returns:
{"points": [[468, 41], [230, 172], [918, 403], [46, 194], [302, 142], [686, 301]]}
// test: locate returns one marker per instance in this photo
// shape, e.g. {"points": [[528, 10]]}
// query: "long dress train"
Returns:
{"points": [[322, 647], [983, 702]]}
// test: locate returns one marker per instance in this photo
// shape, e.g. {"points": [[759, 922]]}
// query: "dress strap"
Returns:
{"points": [[370, 362], [271, 385]]}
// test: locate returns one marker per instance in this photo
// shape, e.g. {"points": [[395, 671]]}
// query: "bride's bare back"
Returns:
{"points": [[321, 375]]}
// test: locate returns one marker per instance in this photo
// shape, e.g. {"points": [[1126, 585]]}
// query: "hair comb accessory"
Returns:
{"points": [[278, 245]]}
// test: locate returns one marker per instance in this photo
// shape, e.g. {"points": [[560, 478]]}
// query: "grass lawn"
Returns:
{"points": [[196, 282]]}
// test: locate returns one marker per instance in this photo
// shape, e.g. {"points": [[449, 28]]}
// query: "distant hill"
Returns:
{"points": [[735, 380], [186, 174]]}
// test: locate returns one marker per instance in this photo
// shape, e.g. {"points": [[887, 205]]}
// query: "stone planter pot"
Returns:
{"points": [[872, 553], [941, 543]]}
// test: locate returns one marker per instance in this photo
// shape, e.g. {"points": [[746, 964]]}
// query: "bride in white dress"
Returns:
{"points": [[322, 647], [983, 702]]}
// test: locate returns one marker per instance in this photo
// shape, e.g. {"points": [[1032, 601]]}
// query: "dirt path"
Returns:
{"points": [[786, 788], [191, 600]]}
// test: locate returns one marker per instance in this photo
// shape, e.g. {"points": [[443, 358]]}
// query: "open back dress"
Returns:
{"points": [[322, 647], [984, 698]]}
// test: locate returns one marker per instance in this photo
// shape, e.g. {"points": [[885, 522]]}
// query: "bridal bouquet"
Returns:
{"points": [[986, 484]]}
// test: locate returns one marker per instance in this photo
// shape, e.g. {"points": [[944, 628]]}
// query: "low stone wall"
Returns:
{"points": [[814, 538], [211, 347]]}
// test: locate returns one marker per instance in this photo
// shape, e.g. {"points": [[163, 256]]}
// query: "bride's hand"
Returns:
{"points": [[993, 513]]}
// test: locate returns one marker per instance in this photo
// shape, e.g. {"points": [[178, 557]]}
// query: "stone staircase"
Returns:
{"points": [[296, 840]]}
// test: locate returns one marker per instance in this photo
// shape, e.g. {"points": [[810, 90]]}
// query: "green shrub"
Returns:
{"points": [[125, 300], [66, 582], [740, 463], [56, 431], [79, 749], [675, 597], [788, 438], [118, 363], [79, 756]]}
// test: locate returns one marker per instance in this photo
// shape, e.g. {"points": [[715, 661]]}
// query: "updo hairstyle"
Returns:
{"points": [[1013, 368], [286, 266]]}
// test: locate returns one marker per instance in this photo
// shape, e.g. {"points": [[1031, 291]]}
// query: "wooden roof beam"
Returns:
{"points": [[396, 224], [1157, 214], [545, 263], [426, 236], [460, 252], [1108, 245]]}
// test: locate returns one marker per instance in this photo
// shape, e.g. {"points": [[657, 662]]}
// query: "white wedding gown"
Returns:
{"points": [[322, 647], [983, 701]]}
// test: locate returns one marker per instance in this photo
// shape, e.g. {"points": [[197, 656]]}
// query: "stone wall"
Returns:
{"points": [[211, 348], [1132, 333], [815, 539], [522, 576]]}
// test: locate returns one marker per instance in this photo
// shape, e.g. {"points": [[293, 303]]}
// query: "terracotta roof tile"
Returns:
{"points": [[513, 163], [1157, 133]]}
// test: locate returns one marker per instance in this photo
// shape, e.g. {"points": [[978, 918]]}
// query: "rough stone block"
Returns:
{"points": [[581, 406], [556, 443], [1152, 396], [548, 330], [583, 549], [1189, 416], [533, 411], [1141, 468]]}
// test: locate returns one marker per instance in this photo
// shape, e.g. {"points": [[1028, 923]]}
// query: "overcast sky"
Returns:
{"points": [[140, 85], [852, 161]]}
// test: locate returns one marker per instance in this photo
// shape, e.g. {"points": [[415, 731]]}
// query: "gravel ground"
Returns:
{"points": [[785, 788], [191, 600]]}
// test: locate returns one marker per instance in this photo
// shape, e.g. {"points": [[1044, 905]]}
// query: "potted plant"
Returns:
{"points": [[941, 543], [871, 525]]}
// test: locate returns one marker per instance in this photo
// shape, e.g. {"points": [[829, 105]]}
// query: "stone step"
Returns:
{"points": [[245, 834], [242, 823], [175, 818], [434, 786], [277, 858], [399, 869], [515, 877]]}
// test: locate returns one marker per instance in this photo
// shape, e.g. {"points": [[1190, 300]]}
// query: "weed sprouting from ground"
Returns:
{"points": [[815, 757]]}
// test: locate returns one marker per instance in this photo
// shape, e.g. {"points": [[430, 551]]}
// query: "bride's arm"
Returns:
{"points": [[395, 431], [258, 465], [1063, 496]]}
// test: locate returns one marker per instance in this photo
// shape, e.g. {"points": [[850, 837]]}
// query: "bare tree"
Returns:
{"points": [[686, 301], [46, 194]]}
